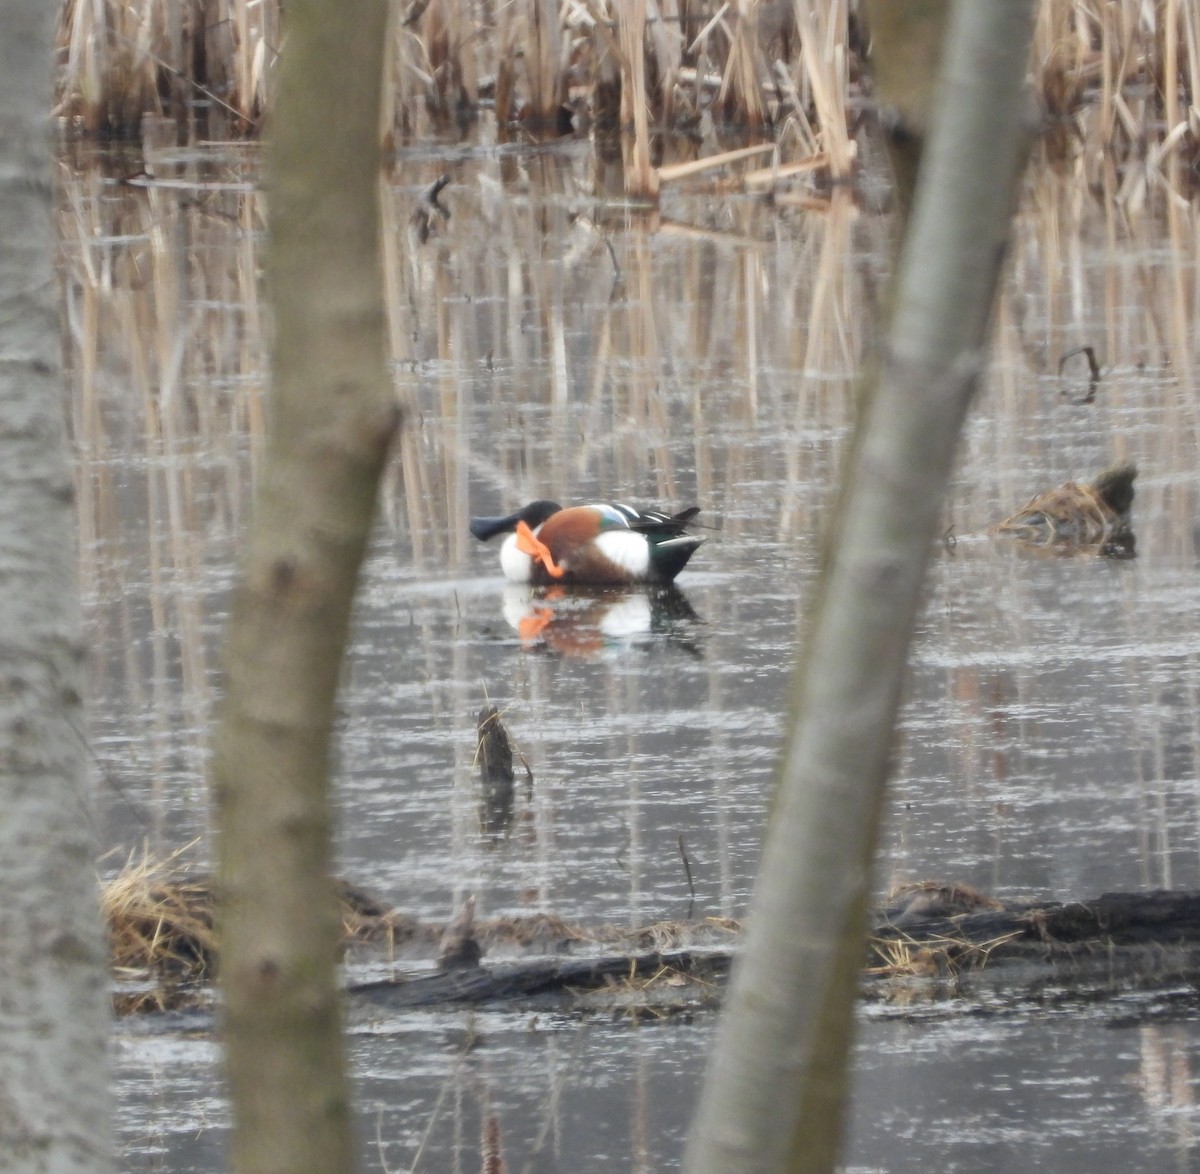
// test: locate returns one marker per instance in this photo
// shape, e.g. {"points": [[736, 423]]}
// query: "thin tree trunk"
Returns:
{"points": [[55, 1108], [775, 1092], [333, 415]]}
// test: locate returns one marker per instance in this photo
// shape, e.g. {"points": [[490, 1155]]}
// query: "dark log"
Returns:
{"points": [[546, 983], [1115, 919], [1119, 941], [939, 941]]}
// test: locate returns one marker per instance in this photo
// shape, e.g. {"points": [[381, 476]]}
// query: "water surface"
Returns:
{"points": [[546, 345]]}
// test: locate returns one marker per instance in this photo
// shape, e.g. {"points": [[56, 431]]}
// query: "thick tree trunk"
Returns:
{"points": [[55, 1112], [776, 1088], [332, 418]]}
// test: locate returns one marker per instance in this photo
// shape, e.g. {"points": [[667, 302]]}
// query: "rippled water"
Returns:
{"points": [[1049, 741]]}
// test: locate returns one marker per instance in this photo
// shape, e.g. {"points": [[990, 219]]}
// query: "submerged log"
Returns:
{"points": [[934, 941], [655, 979], [1116, 942], [1112, 921], [1081, 950]]}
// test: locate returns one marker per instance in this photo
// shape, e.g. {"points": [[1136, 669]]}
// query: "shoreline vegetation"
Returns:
{"points": [[1115, 80], [931, 942]]}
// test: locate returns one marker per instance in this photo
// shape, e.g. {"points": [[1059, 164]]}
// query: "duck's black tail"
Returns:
{"points": [[669, 556]]}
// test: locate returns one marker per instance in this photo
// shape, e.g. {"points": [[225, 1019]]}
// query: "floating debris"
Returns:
{"points": [[932, 936], [430, 215], [1089, 397], [935, 898], [1079, 518], [459, 948], [494, 753]]}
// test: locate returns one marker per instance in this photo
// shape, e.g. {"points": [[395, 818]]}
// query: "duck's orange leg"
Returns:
{"points": [[529, 543]]}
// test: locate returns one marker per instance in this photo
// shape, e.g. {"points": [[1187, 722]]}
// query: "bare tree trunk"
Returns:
{"points": [[55, 1110], [333, 415], [775, 1092]]}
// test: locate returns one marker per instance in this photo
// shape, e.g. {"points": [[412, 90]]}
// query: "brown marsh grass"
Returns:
{"points": [[1078, 517], [160, 932], [121, 61], [1114, 76], [163, 942]]}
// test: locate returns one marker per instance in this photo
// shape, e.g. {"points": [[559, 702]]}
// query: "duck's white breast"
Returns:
{"points": [[516, 564]]}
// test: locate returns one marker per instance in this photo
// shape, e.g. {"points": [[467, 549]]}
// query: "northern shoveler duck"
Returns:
{"points": [[599, 545]]}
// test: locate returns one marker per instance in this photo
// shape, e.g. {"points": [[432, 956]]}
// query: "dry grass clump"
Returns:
{"points": [[162, 944], [1074, 518], [660, 992], [676, 935], [901, 958], [936, 898], [368, 919], [901, 955], [939, 957]]}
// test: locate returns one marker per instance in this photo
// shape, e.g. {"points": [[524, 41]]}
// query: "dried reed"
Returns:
{"points": [[940, 957], [124, 61], [160, 931], [162, 940], [1079, 518], [1118, 75], [163, 946]]}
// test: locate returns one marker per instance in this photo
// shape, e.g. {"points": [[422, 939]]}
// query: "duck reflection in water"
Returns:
{"points": [[579, 624]]}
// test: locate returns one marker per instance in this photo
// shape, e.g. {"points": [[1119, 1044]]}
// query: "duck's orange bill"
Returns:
{"points": [[529, 543]]}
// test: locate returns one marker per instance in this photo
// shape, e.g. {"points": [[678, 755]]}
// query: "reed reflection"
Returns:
{"points": [[540, 351]]}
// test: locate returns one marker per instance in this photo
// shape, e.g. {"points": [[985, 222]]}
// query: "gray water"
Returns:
{"points": [[1049, 737]]}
